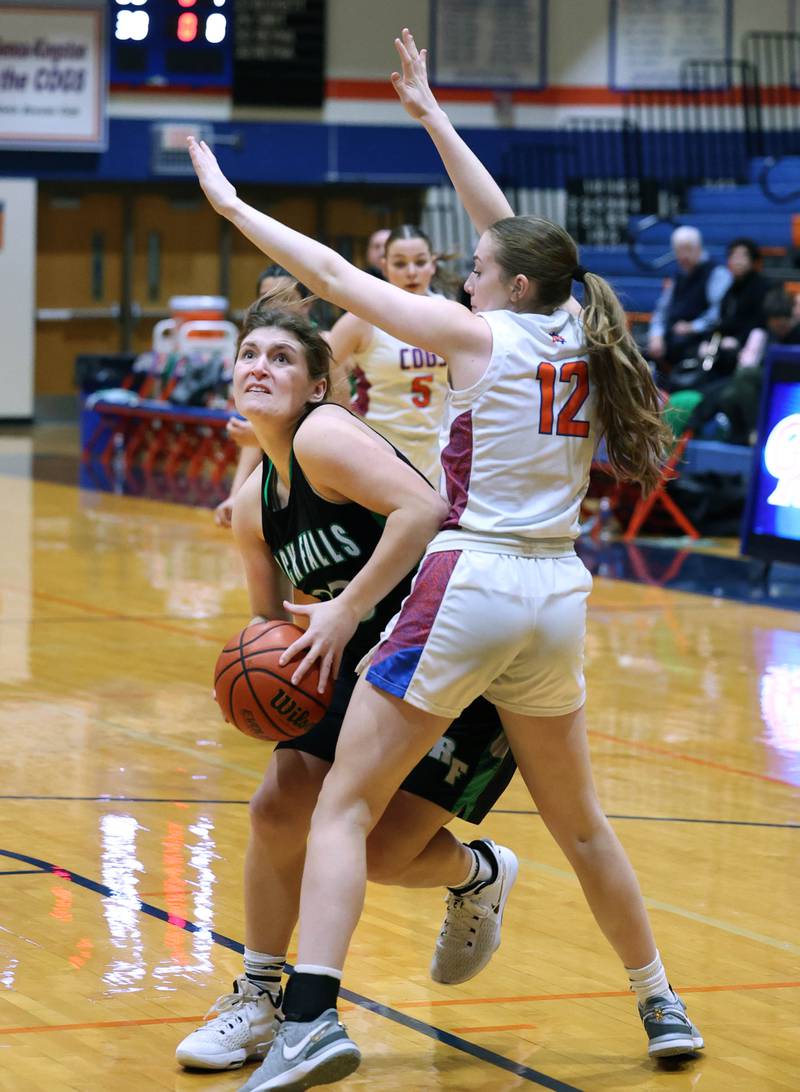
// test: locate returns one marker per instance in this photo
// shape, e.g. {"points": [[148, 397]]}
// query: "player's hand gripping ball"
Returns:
{"points": [[256, 694]]}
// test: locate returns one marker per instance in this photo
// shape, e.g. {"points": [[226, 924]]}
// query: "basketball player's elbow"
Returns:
{"points": [[429, 515], [326, 281]]}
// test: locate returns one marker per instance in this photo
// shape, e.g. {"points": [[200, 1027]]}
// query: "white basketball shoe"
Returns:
{"points": [[470, 933], [241, 1029]]}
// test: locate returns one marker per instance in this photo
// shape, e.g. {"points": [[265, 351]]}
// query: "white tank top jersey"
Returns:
{"points": [[518, 444], [401, 391]]}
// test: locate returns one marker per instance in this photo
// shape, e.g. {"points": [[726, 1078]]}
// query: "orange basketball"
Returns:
{"points": [[256, 694]]}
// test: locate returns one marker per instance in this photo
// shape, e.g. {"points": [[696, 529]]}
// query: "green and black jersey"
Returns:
{"points": [[320, 546]]}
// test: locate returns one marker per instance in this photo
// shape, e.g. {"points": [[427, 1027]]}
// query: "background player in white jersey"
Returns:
{"points": [[399, 388], [504, 559]]}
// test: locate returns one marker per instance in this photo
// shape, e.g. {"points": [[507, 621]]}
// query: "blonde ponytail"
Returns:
{"points": [[637, 437]]}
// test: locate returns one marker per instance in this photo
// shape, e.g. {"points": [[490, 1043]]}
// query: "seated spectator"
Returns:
{"points": [[741, 309], [730, 413], [688, 309], [376, 245]]}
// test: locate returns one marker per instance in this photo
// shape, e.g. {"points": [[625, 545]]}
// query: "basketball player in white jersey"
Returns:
{"points": [[399, 389], [498, 605]]}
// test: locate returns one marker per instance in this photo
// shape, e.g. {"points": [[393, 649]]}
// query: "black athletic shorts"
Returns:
{"points": [[465, 772]]}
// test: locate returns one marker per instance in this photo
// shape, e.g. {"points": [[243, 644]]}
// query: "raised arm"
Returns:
{"points": [[348, 335], [430, 322], [480, 195]]}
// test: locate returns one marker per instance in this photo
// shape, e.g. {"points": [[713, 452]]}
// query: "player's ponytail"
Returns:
{"points": [[637, 438], [629, 404]]}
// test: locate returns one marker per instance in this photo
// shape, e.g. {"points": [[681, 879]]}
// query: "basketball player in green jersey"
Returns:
{"points": [[340, 515]]}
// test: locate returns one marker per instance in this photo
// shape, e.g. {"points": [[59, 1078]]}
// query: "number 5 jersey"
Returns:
{"points": [[400, 391]]}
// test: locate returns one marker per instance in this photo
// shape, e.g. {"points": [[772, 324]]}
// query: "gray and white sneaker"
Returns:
{"points": [[470, 933], [669, 1029], [242, 1028], [307, 1054]]}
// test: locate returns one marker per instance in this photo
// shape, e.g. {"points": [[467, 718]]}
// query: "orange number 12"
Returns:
{"points": [[566, 424]]}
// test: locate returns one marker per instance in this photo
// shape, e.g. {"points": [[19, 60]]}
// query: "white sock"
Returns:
{"points": [[649, 981], [263, 970], [314, 968], [480, 871]]}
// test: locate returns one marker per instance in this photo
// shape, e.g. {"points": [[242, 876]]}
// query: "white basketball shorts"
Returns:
{"points": [[501, 625]]}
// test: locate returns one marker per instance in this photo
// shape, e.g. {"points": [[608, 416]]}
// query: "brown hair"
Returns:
{"points": [[629, 404], [281, 309], [443, 281]]}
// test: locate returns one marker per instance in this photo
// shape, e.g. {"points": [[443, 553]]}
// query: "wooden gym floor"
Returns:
{"points": [[123, 816]]}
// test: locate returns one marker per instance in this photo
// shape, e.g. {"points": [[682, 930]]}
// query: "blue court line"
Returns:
{"points": [[494, 811], [437, 1034], [22, 872]]}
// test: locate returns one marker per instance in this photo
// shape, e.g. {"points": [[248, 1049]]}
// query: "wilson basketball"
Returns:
{"points": [[256, 694]]}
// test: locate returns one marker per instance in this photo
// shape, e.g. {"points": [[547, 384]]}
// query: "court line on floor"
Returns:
{"points": [[495, 811], [679, 911], [679, 755], [499, 1061], [199, 754], [655, 819], [586, 996], [186, 631], [6, 621], [100, 1024], [115, 616], [654, 748]]}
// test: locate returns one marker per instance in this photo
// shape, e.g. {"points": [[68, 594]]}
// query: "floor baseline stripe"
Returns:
{"points": [[105, 799], [694, 759], [100, 1024], [482, 1054], [586, 996], [665, 819]]}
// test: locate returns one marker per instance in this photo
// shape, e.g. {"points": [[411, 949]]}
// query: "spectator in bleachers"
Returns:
{"points": [[376, 246], [688, 309], [730, 412], [741, 309]]}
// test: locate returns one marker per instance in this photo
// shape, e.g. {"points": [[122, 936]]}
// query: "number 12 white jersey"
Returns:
{"points": [[517, 446]]}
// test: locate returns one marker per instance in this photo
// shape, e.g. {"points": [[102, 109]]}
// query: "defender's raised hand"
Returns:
{"points": [[412, 85], [220, 192]]}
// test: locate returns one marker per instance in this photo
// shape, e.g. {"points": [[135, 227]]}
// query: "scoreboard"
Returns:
{"points": [[171, 43], [265, 52]]}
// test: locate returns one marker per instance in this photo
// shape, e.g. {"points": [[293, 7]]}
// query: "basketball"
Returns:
{"points": [[255, 693]]}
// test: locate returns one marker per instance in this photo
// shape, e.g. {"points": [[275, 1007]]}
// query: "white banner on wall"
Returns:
{"points": [[650, 39], [53, 80], [17, 286], [489, 43]]}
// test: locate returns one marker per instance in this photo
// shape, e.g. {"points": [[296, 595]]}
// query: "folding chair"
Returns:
{"points": [[644, 505]]}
